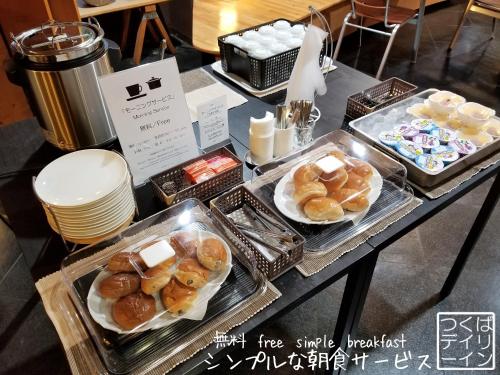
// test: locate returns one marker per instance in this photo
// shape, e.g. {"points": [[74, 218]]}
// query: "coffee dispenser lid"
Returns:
{"points": [[58, 41]]}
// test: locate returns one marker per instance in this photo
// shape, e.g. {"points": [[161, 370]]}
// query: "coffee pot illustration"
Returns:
{"points": [[154, 83]]}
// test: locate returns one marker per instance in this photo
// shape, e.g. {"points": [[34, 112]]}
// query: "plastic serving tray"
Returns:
{"points": [[141, 351], [364, 129], [322, 238]]}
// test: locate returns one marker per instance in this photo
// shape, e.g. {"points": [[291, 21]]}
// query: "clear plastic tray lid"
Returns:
{"points": [[157, 282], [333, 189]]}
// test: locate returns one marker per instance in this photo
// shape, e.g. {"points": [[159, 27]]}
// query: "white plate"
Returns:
{"points": [[100, 308], [90, 214], [92, 231], [283, 199], [81, 177], [100, 205]]}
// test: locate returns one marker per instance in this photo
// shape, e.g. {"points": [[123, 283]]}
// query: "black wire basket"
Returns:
{"points": [[379, 96], [260, 73]]}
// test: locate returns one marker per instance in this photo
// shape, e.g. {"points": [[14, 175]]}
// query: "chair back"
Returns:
{"points": [[370, 8]]}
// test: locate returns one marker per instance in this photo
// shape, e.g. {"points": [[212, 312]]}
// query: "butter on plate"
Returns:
{"points": [[329, 164], [157, 253]]}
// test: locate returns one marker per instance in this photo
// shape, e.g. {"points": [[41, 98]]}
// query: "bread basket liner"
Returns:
{"points": [[78, 346]]}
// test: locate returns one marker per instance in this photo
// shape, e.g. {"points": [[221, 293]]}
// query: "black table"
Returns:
{"points": [[23, 152]]}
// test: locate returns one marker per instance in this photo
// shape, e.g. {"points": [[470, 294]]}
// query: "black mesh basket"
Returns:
{"points": [[260, 73], [380, 96]]}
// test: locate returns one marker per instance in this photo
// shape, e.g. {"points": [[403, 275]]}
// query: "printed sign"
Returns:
{"points": [[151, 117], [213, 122]]}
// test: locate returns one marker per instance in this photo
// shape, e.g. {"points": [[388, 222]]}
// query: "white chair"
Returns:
{"points": [[393, 18]]}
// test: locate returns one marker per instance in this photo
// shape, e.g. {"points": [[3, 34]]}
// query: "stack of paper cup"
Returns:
{"points": [[261, 138]]}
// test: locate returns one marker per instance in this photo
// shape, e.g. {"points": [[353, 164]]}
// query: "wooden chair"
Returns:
{"points": [[393, 18], [149, 15], [487, 7]]}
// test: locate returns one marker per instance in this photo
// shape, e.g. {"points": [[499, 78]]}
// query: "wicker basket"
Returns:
{"points": [[260, 74], [234, 200], [204, 190], [389, 92]]}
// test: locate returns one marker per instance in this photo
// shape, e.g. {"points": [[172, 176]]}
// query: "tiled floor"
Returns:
{"points": [[409, 273]]}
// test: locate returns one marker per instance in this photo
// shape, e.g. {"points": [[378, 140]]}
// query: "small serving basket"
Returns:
{"points": [[203, 191], [379, 96], [230, 204], [260, 73]]}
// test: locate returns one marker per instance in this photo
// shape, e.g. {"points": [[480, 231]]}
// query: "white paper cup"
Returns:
{"points": [[284, 140]]}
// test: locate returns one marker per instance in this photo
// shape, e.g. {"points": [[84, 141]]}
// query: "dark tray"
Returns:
{"points": [[123, 353]]}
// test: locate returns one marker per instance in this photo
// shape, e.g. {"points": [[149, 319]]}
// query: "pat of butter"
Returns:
{"points": [[157, 253], [329, 164]]}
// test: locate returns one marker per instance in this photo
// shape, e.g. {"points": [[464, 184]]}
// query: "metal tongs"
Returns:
{"points": [[278, 236], [268, 232], [260, 240], [266, 220]]}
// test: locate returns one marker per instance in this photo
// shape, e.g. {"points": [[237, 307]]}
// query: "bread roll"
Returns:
{"points": [[338, 154], [119, 285], [133, 310], [306, 173], [123, 262], [362, 169], [185, 244], [335, 180], [191, 273], [350, 199], [167, 263], [156, 277], [177, 298], [309, 190], [357, 182], [323, 209], [212, 254]]}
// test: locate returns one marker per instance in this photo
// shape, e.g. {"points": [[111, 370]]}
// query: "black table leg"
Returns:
{"points": [[353, 300], [474, 234]]}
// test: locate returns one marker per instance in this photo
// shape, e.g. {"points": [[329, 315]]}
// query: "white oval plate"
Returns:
{"points": [[283, 199], [100, 308], [81, 177]]}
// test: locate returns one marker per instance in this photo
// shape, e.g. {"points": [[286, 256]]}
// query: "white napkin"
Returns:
{"points": [[200, 96], [306, 77]]}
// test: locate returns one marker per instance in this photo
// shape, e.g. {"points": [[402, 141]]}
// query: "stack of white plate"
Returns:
{"points": [[87, 195]]}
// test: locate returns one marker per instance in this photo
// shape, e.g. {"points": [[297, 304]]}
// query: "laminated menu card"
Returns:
{"points": [[149, 112]]}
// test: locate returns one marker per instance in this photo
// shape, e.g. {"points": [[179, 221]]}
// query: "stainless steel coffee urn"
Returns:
{"points": [[58, 65]]}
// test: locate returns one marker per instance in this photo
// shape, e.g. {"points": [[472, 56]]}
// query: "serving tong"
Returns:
{"points": [[265, 231]]}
